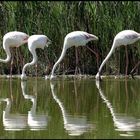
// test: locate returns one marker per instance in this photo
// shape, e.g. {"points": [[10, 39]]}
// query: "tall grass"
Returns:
{"points": [[56, 19]]}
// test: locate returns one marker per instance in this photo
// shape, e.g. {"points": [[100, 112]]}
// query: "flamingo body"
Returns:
{"points": [[125, 37], [34, 41], [37, 41], [15, 39], [75, 38], [78, 38]]}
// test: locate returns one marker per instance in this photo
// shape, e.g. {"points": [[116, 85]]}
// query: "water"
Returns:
{"points": [[69, 109]]}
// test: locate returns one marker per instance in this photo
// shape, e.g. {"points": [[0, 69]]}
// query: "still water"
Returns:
{"points": [[69, 108]]}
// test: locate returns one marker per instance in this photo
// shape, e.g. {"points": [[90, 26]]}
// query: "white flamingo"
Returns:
{"points": [[13, 39], [124, 37], [75, 38], [34, 41]]}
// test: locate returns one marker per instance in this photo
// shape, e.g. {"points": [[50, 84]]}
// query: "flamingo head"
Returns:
{"points": [[90, 37]]}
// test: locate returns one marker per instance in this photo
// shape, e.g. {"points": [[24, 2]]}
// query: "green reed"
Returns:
{"points": [[56, 19]]}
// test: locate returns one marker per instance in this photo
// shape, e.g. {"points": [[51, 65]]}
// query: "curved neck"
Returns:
{"points": [[59, 103], [33, 109], [23, 87], [108, 104], [31, 63], [8, 107], [7, 50], [107, 57], [60, 59]]}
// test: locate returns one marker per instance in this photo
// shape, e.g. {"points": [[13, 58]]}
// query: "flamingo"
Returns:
{"points": [[75, 38], [125, 37], [13, 39], [35, 41]]}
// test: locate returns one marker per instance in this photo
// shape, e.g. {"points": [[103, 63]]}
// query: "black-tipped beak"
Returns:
{"points": [[49, 42], [96, 38]]}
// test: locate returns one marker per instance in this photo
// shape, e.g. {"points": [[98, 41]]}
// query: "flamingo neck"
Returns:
{"points": [[23, 87], [33, 109], [31, 63], [59, 103], [108, 104], [7, 109], [107, 57], [7, 50], [60, 59]]}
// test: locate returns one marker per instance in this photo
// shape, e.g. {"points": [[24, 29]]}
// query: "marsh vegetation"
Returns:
{"points": [[56, 19]]}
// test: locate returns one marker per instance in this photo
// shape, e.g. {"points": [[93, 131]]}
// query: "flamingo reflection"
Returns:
{"points": [[35, 121], [74, 125], [14, 122], [122, 122]]}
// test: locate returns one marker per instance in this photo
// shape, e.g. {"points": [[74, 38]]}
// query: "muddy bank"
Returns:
{"points": [[76, 77]]}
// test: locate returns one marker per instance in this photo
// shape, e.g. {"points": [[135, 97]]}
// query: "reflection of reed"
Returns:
{"points": [[75, 125], [121, 121], [35, 121], [12, 121]]}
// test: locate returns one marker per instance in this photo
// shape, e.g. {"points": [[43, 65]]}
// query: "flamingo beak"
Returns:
{"points": [[48, 42], [96, 38]]}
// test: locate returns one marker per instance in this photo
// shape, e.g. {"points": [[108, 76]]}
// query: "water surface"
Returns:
{"points": [[69, 108]]}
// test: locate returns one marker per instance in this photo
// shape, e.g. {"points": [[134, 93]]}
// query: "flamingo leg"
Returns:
{"points": [[36, 66], [127, 61], [96, 54], [132, 71], [11, 67], [77, 69]]}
